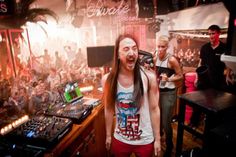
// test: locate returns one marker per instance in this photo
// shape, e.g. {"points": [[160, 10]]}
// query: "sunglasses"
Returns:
{"points": [[161, 46]]}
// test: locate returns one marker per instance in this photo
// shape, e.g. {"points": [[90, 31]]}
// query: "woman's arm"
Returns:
{"points": [[174, 64]]}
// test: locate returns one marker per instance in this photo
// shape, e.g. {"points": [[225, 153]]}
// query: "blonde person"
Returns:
{"points": [[168, 71]]}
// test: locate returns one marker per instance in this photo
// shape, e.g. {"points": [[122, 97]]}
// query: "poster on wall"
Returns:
{"points": [[186, 45]]}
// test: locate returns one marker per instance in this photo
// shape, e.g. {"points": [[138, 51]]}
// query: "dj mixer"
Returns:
{"points": [[77, 111], [40, 131]]}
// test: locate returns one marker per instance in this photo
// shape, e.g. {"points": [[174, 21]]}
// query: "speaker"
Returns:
{"points": [[233, 49], [231, 34], [7, 7], [100, 56], [146, 8], [166, 6]]}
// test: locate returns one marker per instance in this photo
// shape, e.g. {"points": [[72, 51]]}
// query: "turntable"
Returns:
{"points": [[73, 104], [76, 111]]}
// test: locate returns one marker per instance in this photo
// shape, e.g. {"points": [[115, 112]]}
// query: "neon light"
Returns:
{"points": [[100, 9]]}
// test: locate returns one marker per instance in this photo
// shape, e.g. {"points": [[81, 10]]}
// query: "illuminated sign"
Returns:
{"points": [[99, 8]]}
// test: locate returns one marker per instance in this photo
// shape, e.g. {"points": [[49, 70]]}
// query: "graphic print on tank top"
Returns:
{"points": [[127, 117]]}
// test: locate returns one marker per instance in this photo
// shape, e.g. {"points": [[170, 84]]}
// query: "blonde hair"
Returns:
{"points": [[163, 38]]}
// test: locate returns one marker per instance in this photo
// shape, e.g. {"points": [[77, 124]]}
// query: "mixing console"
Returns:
{"points": [[76, 111], [8, 149], [41, 131]]}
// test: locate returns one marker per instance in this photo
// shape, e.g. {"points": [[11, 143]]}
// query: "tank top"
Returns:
{"points": [[133, 126], [162, 67]]}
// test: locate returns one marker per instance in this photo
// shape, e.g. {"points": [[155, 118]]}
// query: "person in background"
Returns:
{"points": [[46, 61], [4, 58], [210, 54], [46, 57], [212, 72], [131, 94], [58, 61], [168, 71], [79, 58], [39, 98], [70, 54], [53, 79]]}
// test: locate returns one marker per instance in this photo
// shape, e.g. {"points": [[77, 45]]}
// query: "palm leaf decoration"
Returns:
{"points": [[24, 13]]}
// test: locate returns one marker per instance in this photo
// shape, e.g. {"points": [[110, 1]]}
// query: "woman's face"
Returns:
{"points": [[162, 47]]}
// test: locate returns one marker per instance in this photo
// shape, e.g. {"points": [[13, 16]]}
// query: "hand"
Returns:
{"points": [[157, 148], [108, 142], [164, 77], [148, 66], [229, 81]]}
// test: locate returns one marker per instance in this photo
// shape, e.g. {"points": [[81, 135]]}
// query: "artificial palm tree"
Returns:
{"points": [[24, 13]]}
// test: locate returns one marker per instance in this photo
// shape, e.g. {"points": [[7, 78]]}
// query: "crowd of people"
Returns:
{"points": [[35, 87]]}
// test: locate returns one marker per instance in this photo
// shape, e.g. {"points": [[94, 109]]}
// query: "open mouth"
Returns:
{"points": [[130, 61]]}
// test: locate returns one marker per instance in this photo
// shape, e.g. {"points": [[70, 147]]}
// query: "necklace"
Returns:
{"points": [[161, 61], [164, 58]]}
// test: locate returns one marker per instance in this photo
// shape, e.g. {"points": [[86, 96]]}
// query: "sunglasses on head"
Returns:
{"points": [[161, 46]]}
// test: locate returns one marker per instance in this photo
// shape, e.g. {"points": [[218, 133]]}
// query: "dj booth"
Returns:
{"points": [[72, 126]]}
